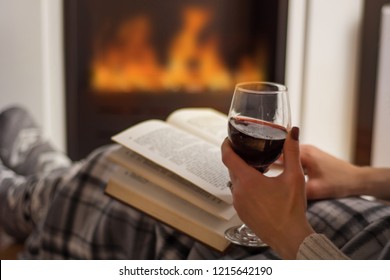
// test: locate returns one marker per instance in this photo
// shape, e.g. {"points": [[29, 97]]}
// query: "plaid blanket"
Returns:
{"points": [[66, 215]]}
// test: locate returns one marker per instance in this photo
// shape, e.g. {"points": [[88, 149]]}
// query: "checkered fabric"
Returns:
{"points": [[63, 213]]}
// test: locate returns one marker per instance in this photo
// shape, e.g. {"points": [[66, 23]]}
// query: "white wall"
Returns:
{"points": [[296, 40], [381, 133], [21, 54], [31, 62], [330, 74], [322, 56]]}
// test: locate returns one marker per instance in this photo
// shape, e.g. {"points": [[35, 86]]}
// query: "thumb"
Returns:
{"points": [[292, 161]]}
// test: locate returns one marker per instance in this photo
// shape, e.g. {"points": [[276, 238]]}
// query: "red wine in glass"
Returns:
{"points": [[259, 118], [258, 142]]}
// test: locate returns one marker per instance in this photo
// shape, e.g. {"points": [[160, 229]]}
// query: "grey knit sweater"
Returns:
{"points": [[319, 247]]}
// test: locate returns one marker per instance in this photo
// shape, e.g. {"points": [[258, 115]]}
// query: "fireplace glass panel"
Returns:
{"points": [[127, 61]]}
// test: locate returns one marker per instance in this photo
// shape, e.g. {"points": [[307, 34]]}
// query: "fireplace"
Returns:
{"points": [[127, 61]]}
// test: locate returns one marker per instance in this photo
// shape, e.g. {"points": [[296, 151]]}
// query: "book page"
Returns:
{"points": [[187, 155], [172, 183], [203, 122]]}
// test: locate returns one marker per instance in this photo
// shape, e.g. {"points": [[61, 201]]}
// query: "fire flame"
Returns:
{"points": [[130, 63]]}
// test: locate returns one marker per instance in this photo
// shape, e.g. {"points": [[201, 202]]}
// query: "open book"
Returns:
{"points": [[172, 170]]}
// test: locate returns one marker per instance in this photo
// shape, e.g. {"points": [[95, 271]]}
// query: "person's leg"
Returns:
{"points": [[82, 222], [23, 200], [23, 148], [29, 167], [63, 212], [360, 228]]}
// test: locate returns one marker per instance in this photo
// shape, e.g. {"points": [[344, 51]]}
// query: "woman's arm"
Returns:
{"points": [[330, 177]]}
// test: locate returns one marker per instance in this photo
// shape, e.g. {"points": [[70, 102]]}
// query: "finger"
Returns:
{"points": [[292, 161], [231, 160]]}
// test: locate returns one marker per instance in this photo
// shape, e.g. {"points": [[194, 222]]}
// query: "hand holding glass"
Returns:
{"points": [[258, 123]]}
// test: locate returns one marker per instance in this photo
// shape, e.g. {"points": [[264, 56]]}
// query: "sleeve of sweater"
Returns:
{"points": [[319, 247]]}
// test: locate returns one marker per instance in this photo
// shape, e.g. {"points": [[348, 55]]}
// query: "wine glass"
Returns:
{"points": [[258, 123]]}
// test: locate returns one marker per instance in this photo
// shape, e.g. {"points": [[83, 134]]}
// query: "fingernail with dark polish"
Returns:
{"points": [[295, 133]]}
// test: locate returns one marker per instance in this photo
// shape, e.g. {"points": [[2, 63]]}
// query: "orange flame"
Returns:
{"points": [[130, 63]]}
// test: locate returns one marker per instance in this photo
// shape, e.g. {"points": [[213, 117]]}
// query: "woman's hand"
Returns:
{"points": [[330, 177], [273, 207]]}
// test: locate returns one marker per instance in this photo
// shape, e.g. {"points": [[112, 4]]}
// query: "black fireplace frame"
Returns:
{"points": [[84, 122]]}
